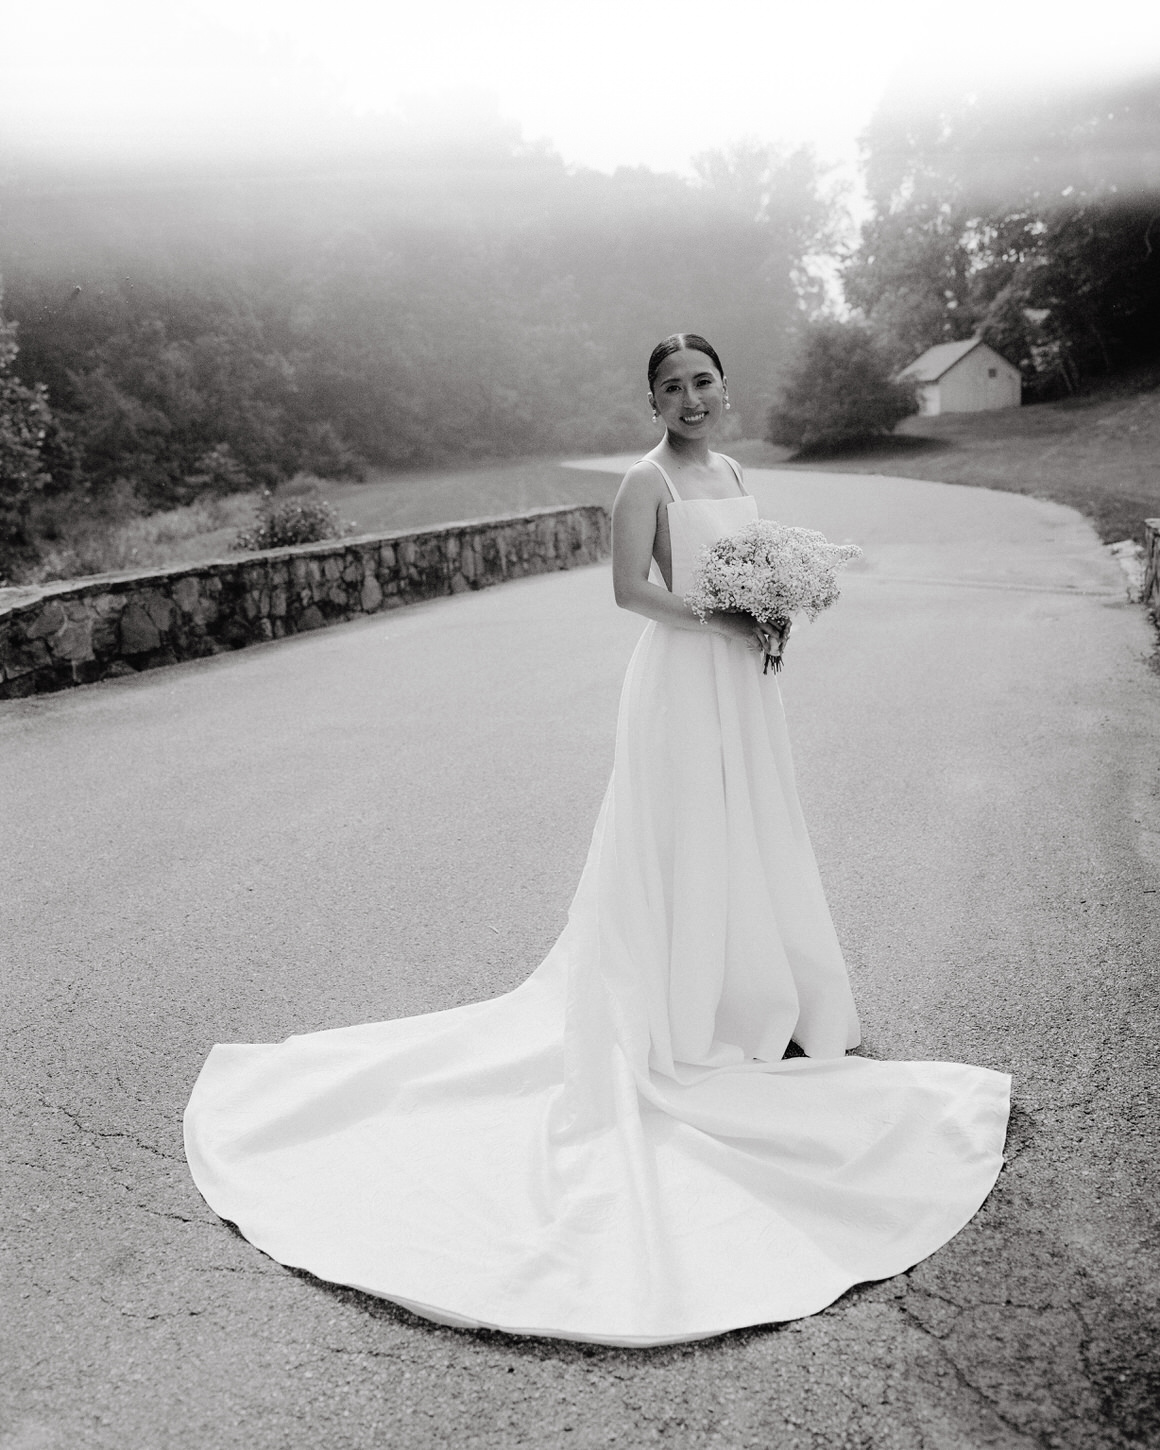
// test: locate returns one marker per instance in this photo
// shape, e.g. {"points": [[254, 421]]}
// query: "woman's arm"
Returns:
{"points": [[634, 527]]}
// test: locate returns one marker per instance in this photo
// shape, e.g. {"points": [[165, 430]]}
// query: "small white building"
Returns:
{"points": [[963, 377]]}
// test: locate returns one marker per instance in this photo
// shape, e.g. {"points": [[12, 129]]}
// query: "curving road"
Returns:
{"points": [[388, 818]]}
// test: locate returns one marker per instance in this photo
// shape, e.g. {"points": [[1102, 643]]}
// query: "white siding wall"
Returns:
{"points": [[968, 387], [928, 399]]}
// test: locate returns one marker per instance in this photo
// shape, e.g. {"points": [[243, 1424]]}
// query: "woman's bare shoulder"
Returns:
{"points": [[642, 481]]}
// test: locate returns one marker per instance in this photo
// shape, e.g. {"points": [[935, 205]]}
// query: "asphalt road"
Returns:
{"points": [[388, 817]]}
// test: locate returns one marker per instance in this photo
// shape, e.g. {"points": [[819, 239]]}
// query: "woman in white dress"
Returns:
{"points": [[619, 1150]]}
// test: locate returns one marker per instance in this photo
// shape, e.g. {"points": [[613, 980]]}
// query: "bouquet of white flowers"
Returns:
{"points": [[771, 571]]}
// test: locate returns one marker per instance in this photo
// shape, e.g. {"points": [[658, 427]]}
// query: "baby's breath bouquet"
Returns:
{"points": [[771, 571]]}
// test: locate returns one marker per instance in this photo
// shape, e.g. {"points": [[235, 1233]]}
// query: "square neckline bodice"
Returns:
{"points": [[695, 523], [675, 497]]}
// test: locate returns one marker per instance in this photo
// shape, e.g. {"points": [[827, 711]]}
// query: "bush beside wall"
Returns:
{"points": [[73, 633]]}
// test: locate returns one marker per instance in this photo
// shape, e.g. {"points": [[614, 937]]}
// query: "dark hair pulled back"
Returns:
{"points": [[692, 340]]}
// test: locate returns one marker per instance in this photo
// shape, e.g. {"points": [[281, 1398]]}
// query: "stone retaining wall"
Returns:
{"points": [[1152, 567], [76, 632]]}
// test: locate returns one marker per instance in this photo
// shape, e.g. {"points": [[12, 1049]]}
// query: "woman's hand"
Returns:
{"points": [[735, 624]]}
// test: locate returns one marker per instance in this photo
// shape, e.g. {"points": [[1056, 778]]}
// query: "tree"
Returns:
{"points": [[910, 279], [839, 391], [1033, 220], [24, 424]]}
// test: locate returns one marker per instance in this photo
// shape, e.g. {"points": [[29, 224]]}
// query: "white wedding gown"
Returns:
{"points": [[616, 1151]]}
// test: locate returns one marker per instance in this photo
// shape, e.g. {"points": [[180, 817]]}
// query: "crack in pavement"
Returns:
{"points": [[956, 1369], [92, 1132]]}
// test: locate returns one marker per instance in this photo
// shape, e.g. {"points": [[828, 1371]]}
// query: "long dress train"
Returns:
{"points": [[616, 1151]]}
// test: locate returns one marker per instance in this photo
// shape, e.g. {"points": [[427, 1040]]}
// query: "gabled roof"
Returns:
{"points": [[939, 359]]}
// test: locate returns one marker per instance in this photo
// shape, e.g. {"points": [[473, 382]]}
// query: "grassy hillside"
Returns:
{"points": [[1099, 452]]}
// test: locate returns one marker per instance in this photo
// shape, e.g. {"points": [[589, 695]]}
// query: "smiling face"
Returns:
{"points": [[689, 393]]}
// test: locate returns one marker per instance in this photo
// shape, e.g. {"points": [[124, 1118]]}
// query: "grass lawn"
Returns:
{"points": [[426, 498], [1100, 453]]}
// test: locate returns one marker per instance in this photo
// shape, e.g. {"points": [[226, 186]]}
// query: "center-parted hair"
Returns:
{"points": [[675, 343]]}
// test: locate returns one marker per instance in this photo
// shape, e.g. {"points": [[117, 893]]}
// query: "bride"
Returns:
{"points": [[620, 1150]]}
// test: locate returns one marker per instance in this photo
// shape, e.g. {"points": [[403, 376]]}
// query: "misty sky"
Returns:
{"points": [[604, 82]]}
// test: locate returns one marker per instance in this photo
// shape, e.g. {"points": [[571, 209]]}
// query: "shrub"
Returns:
{"points": [[303, 520], [840, 391]]}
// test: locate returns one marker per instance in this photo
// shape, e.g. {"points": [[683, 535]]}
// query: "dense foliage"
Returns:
{"points": [[208, 334], [840, 391], [1033, 221], [25, 421]]}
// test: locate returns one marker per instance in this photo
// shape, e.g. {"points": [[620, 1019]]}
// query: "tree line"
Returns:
{"points": [[173, 334], [184, 335]]}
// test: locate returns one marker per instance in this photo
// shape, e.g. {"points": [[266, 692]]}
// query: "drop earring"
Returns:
{"points": [[655, 415], [728, 404]]}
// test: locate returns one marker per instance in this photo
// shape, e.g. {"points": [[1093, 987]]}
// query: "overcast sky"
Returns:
{"points": [[605, 82]]}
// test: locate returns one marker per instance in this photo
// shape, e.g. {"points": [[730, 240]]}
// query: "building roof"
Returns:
{"points": [[939, 359]]}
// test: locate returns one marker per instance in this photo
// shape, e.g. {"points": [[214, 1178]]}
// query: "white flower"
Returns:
{"points": [[771, 571]]}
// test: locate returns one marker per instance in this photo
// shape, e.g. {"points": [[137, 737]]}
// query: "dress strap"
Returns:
{"points": [[664, 475], [736, 467]]}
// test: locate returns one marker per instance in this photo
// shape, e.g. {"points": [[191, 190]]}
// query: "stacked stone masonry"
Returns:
{"points": [[1152, 566], [95, 629]]}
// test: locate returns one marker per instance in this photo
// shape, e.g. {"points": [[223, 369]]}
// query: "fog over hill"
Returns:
{"points": [[412, 291], [400, 308]]}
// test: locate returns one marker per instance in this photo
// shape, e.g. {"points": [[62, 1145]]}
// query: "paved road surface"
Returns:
{"points": [[389, 817]]}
